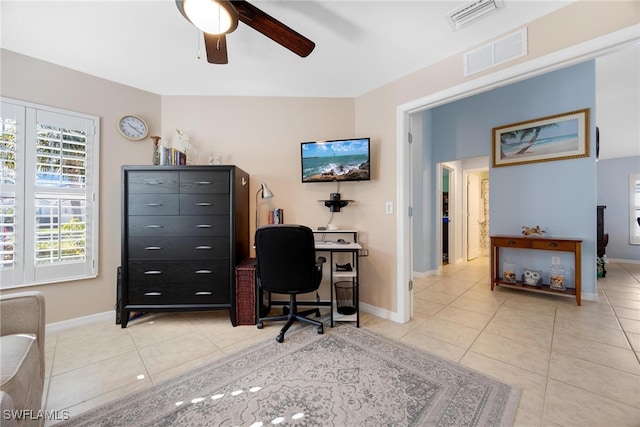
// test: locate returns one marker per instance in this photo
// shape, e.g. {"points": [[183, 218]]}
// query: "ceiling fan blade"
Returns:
{"points": [[216, 45], [272, 28]]}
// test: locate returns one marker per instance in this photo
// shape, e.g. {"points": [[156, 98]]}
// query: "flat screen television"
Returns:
{"points": [[336, 160]]}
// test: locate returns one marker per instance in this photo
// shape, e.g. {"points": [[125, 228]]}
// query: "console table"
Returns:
{"points": [[541, 244]]}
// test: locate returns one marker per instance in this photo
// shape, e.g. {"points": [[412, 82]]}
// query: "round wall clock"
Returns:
{"points": [[133, 127]]}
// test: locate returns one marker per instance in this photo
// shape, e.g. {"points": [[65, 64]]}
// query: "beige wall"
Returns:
{"points": [[262, 136], [43, 83]]}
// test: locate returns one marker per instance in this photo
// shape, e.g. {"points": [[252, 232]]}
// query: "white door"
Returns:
{"points": [[473, 216]]}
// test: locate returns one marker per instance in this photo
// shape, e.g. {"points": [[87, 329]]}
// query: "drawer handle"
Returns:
{"points": [[203, 204], [154, 182], [511, 242], [153, 248], [203, 247], [152, 272], [153, 205], [152, 294], [204, 226], [203, 271], [204, 182], [154, 226], [204, 293], [553, 245]]}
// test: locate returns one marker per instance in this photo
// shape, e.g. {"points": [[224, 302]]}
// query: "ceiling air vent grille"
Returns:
{"points": [[470, 12], [502, 50]]}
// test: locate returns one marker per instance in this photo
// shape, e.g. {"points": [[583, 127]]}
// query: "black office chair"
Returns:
{"points": [[286, 264]]}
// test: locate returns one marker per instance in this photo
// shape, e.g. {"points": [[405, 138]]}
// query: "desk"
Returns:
{"points": [[352, 250], [334, 249]]}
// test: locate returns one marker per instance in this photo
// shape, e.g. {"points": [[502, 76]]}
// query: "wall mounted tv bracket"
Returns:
{"points": [[335, 203]]}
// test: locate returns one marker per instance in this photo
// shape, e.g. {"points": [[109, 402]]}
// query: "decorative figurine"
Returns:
{"points": [[532, 277], [156, 150], [532, 231]]}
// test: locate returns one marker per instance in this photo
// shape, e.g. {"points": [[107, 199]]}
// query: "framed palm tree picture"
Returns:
{"points": [[558, 137]]}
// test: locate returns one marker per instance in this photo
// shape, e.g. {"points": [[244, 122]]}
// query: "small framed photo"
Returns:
{"points": [[558, 137]]}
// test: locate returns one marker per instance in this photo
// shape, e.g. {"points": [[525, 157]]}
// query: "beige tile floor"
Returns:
{"points": [[576, 366]]}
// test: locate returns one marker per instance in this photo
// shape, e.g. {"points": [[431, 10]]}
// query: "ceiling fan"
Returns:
{"points": [[216, 18]]}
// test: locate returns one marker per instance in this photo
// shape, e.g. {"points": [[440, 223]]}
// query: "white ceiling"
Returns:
{"points": [[360, 45]]}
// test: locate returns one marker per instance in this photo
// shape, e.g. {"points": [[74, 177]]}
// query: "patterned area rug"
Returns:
{"points": [[346, 377]]}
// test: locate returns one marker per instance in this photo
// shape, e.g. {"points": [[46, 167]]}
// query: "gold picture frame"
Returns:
{"points": [[558, 137]]}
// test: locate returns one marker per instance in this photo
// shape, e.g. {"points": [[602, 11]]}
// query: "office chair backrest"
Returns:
{"points": [[286, 261]]}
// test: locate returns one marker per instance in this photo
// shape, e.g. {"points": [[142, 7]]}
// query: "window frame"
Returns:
{"points": [[25, 271]]}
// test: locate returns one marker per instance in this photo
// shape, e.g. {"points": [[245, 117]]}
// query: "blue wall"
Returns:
{"points": [[560, 196], [613, 192]]}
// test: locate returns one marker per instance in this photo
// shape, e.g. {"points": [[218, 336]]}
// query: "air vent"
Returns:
{"points": [[502, 50], [471, 12]]}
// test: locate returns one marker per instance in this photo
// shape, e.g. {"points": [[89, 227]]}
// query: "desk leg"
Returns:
{"points": [[494, 264], [331, 285], [578, 267]]}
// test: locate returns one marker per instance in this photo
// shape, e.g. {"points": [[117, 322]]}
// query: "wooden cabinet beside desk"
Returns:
{"points": [[541, 244]]}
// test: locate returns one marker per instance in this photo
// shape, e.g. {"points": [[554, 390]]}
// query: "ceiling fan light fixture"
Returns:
{"points": [[211, 16]]}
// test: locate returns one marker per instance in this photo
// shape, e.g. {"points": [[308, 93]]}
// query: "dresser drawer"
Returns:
{"points": [[153, 182], [172, 226], [179, 248], [554, 246], [204, 204], [153, 204], [167, 272], [179, 293], [506, 242], [204, 182]]}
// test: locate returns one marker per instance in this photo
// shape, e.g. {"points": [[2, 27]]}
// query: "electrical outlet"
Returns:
{"points": [[388, 208], [555, 260]]}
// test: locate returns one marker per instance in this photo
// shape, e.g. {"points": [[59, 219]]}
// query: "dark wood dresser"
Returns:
{"points": [[184, 230]]}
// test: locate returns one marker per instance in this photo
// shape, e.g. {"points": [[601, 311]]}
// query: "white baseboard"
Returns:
{"points": [[624, 261], [423, 274], [56, 327]]}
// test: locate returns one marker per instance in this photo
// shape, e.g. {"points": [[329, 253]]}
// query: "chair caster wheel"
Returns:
{"points": [[320, 330], [318, 313], [280, 338], [260, 325]]}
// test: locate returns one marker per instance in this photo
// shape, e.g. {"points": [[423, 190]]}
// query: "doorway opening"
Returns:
{"points": [[446, 198], [476, 204]]}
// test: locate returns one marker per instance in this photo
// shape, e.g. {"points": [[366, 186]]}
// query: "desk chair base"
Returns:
{"points": [[293, 316]]}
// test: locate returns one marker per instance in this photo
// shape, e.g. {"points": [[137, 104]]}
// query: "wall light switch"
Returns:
{"points": [[555, 260], [388, 208]]}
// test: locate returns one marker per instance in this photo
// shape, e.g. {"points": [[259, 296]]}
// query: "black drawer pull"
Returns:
{"points": [[152, 294], [511, 242], [203, 204], [204, 182], [153, 205], [152, 272], [204, 226], [154, 226], [553, 245], [153, 248], [203, 272], [204, 293], [203, 247]]}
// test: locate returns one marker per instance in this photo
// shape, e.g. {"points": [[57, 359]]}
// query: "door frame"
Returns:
{"points": [[554, 61]]}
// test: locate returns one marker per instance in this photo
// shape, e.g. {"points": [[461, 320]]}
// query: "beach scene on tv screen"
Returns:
{"points": [[346, 160]]}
